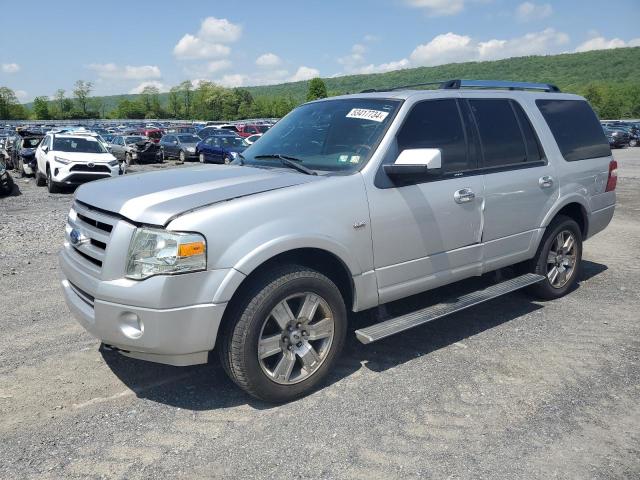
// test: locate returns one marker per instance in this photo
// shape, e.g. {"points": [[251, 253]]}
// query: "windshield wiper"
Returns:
{"points": [[290, 162]]}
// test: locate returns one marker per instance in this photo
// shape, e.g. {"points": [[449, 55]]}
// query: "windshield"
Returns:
{"points": [[31, 142], [331, 135], [129, 140], [78, 145], [188, 139]]}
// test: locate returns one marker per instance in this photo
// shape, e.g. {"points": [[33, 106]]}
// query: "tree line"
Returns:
{"points": [[208, 101], [205, 101]]}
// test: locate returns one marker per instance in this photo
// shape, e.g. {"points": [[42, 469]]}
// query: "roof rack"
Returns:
{"points": [[482, 84], [498, 84]]}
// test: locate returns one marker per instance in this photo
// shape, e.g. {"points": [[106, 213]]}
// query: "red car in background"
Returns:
{"points": [[247, 129], [153, 134]]}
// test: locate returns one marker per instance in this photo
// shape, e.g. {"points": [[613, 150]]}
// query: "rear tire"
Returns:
{"points": [[558, 259], [271, 308]]}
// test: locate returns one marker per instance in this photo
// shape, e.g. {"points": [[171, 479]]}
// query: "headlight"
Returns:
{"points": [[159, 252], [191, 149], [113, 163], [61, 160]]}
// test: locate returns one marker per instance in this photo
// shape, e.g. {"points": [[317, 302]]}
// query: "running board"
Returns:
{"points": [[419, 317]]}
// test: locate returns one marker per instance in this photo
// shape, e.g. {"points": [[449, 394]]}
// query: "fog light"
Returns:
{"points": [[131, 325]]}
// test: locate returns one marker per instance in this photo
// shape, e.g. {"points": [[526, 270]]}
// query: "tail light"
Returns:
{"points": [[612, 180]]}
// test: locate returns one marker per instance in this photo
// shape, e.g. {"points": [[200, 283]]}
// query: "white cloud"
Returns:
{"points": [[10, 67], [268, 60], [528, 11], [438, 7], [601, 43], [454, 48], [211, 40], [153, 83], [190, 47], [304, 73], [127, 72], [219, 30], [218, 65], [21, 95]]}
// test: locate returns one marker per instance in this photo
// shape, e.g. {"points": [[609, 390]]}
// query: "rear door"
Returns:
{"points": [[521, 186]]}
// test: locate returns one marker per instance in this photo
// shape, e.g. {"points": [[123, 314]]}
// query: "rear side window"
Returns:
{"points": [[500, 134], [576, 129], [437, 124], [534, 150]]}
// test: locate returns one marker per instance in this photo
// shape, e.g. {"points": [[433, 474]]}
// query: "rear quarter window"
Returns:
{"points": [[575, 128]]}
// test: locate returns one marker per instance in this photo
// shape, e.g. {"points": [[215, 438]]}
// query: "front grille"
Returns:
{"points": [[85, 177], [88, 168], [91, 230]]}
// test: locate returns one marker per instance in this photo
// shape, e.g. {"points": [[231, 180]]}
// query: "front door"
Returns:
{"points": [[428, 233]]}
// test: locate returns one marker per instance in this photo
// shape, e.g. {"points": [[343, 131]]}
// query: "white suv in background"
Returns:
{"points": [[72, 159]]}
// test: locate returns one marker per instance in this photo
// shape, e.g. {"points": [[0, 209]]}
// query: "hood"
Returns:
{"points": [[85, 157], [157, 197]]}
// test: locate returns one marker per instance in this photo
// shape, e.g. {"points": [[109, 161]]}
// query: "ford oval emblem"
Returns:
{"points": [[77, 237]]}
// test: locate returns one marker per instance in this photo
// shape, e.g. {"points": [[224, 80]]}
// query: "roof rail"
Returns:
{"points": [[498, 84]]}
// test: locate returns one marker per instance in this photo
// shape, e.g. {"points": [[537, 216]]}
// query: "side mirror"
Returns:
{"points": [[416, 163], [45, 149]]}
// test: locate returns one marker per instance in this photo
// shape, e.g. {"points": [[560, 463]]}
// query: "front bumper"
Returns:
{"points": [[165, 319], [78, 173]]}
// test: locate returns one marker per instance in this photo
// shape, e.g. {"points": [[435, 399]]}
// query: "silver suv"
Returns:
{"points": [[346, 204]]}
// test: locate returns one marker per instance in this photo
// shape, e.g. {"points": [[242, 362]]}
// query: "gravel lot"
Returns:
{"points": [[510, 389]]}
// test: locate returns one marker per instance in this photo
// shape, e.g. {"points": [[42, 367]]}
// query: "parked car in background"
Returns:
{"points": [[132, 149], [70, 159], [209, 131], [220, 149], [153, 134], [617, 138], [251, 139], [24, 159], [181, 146], [182, 129], [6, 182]]}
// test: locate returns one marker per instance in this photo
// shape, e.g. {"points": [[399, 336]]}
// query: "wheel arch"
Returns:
{"points": [[575, 208]]}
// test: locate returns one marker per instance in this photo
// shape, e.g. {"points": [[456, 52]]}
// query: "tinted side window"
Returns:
{"points": [[502, 142], [576, 129], [534, 150], [437, 124]]}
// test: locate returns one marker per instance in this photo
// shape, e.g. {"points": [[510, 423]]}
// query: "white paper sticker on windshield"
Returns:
{"points": [[367, 114]]}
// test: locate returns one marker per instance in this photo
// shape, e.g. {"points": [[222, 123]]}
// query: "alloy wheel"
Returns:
{"points": [[292, 347], [561, 259]]}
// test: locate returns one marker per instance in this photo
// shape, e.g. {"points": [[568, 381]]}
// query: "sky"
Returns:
{"points": [[122, 46]]}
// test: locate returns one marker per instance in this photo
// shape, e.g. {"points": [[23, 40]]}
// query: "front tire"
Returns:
{"points": [[284, 334], [51, 185], [558, 259], [41, 180]]}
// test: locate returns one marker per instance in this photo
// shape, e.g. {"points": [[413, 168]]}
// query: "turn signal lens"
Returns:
{"points": [[191, 249]]}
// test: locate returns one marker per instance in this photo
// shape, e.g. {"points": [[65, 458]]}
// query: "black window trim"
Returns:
{"points": [[480, 169]]}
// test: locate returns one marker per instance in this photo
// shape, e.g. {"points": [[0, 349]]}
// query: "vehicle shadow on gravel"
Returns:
{"points": [[206, 387], [455, 328]]}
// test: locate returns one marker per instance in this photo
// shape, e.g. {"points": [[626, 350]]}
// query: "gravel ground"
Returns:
{"points": [[510, 389]]}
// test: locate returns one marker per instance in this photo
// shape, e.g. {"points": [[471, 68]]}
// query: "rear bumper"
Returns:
{"points": [[600, 219]]}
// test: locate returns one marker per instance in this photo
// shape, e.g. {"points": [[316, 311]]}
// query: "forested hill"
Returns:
{"points": [[609, 78], [572, 72]]}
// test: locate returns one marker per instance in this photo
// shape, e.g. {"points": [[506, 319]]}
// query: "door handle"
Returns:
{"points": [[545, 182], [464, 195]]}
